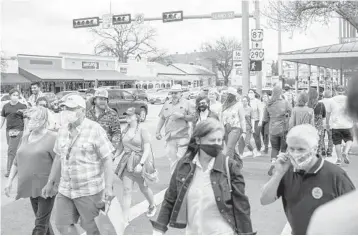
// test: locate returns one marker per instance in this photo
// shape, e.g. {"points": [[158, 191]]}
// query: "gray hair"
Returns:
{"points": [[305, 132]]}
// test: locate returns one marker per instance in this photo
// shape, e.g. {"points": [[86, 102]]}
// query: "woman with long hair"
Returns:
{"points": [[250, 124], [33, 165], [234, 123], [206, 193], [215, 104], [265, 125], [301, 113], [136, 162], [319, 116]]}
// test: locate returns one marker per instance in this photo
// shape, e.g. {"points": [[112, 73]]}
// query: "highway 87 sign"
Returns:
{"points": [[257, 35], [257, 54]]}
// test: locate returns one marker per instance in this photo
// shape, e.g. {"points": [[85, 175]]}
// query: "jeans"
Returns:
{"points": [[42, 208], [13, 144], [257, 135], [265, 134], [232, 138], [278, 143], [175, 150], [245, 143], [322, 144]]}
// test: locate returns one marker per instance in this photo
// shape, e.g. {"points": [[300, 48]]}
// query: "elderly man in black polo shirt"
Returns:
{"points": [[303, 180]]}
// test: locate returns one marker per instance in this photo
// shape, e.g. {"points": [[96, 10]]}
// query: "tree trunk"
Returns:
{"points": [[226, 80]]}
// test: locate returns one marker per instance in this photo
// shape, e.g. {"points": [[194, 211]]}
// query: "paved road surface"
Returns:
{"points": [[17, 217]]}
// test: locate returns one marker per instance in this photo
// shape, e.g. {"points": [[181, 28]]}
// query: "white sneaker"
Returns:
{"points": [[151, 211], [256, 153]]}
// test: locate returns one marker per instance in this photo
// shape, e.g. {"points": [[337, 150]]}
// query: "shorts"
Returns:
{"points": [[339, 135]]}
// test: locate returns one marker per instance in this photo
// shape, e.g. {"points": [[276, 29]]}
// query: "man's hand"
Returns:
{"points": [[158, 136], [108, 193], [49, 190], [177, 115], [282, 163], [7, 189], [138, 168]]}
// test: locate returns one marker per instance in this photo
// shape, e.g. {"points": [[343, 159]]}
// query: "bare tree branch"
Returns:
{"points": [[220, 52], [298, 15], [122, 41]]}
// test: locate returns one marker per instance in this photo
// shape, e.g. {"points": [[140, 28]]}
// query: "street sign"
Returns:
{"points": [[257, 54], [107, 21], [172, 16], [236, 56], [255, 65], [223, 15], [86, 22], [257, 34], [257, 45], [238, 64], [121, 19], [139, 18]]}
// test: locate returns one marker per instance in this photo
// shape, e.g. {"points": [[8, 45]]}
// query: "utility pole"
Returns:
{"points": [[280, 70], [258, 26], [245, 46]]}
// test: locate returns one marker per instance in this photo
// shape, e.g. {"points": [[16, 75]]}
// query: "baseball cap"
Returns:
{"points": [[73, 101], [176, 88], [232, 90], [101, 93], [131, 111]]}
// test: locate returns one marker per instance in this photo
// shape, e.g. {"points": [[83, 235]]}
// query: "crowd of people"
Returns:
{"points": [[72, 162]]}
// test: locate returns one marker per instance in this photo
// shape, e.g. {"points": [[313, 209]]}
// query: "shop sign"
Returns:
{"points": [[90, 65]]}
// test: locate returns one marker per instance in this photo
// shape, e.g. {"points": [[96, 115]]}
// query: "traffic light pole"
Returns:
{"points": [[245, 47]]}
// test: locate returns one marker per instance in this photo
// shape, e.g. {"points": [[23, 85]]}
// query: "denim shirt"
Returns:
{"points": [[234, 207]]}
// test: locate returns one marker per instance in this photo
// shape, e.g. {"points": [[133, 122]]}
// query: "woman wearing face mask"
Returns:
{"points": [[33, 164], [215, 105], [136, 161], [250, 122], [265, 125], [203, 111], [201, 197], [12, 112]]}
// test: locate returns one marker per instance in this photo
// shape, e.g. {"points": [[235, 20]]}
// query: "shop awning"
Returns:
{"points": [[102, 75], [55, 75], [13, 78], [338, 56]]}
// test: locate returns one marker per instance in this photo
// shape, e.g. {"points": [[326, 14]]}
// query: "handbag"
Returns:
{"points": [[111, 221]]}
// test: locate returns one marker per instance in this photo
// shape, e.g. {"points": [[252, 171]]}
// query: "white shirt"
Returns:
{"points": [[339, 117], [203, 214], [256, 106], [203, 115], [217, 108]]}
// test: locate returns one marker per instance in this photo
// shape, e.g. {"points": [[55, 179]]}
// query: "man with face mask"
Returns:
{"points": [[106, 117], [13, 113], [175, 117], [203, 111], [303, 180], [84, 156]]}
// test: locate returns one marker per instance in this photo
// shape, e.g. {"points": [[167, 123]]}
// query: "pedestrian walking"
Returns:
{"points": [[301, 113], [101, 113], [339, 217], [341, 124], [257, 116], [206, 193], [319, 117], [84, 157], [36, 93], [215, 104], [12, 112], [175, 117], [234, 123], [250, 123], [136, 162], [33, 164], [289, 95], [265, 125], [303, 179], [277, 113], [52, 122], [203, 111], [327, 95]]}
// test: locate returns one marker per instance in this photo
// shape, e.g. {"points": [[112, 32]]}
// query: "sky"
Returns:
{"points": [[44, 27]]}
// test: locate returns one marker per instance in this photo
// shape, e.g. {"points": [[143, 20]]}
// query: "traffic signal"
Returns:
{"points": [[172, 16], [86, 22], [121, 19]]}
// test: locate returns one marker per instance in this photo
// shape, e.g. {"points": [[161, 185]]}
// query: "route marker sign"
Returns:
{"points": [[257, 45], [257, 54], [257, 35], [139, 18], [223, 15], [237, 55]]}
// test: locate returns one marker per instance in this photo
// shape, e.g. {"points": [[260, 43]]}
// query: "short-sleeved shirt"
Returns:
{"points": [[339, 116], [82, 162], [14, 116], [256, 106], [136, 142], [231, 115], [34, 161], [303, 193], [176, 128], [110, 122]]}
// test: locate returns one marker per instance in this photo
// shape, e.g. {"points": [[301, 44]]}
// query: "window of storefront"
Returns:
{"points": [[168, 85], [145, 86], [157, 85], [150, 86], [163, 86]]}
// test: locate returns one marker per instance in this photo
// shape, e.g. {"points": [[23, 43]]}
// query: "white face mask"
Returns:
{"points": [[68, 117], [296, 160]]}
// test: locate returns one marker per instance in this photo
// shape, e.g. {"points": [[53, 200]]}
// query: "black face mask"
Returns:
{"points": [[212, 150], [203, 107]]}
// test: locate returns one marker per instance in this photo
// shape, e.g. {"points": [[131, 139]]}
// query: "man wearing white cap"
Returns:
{"points": [[84, 156], [175, 116]]}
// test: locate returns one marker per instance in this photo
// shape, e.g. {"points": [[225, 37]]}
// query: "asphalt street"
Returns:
{"points": [[17, 216]]}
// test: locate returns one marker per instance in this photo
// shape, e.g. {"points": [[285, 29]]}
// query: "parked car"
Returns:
{"points": [[51, 97], [159, 97], [61, 94], [139, 93], [120, 100]]}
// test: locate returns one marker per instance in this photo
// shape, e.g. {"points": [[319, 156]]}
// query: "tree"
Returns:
{"points": [[124, 40], [221, 52], [3, 64], [295, 15]]}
